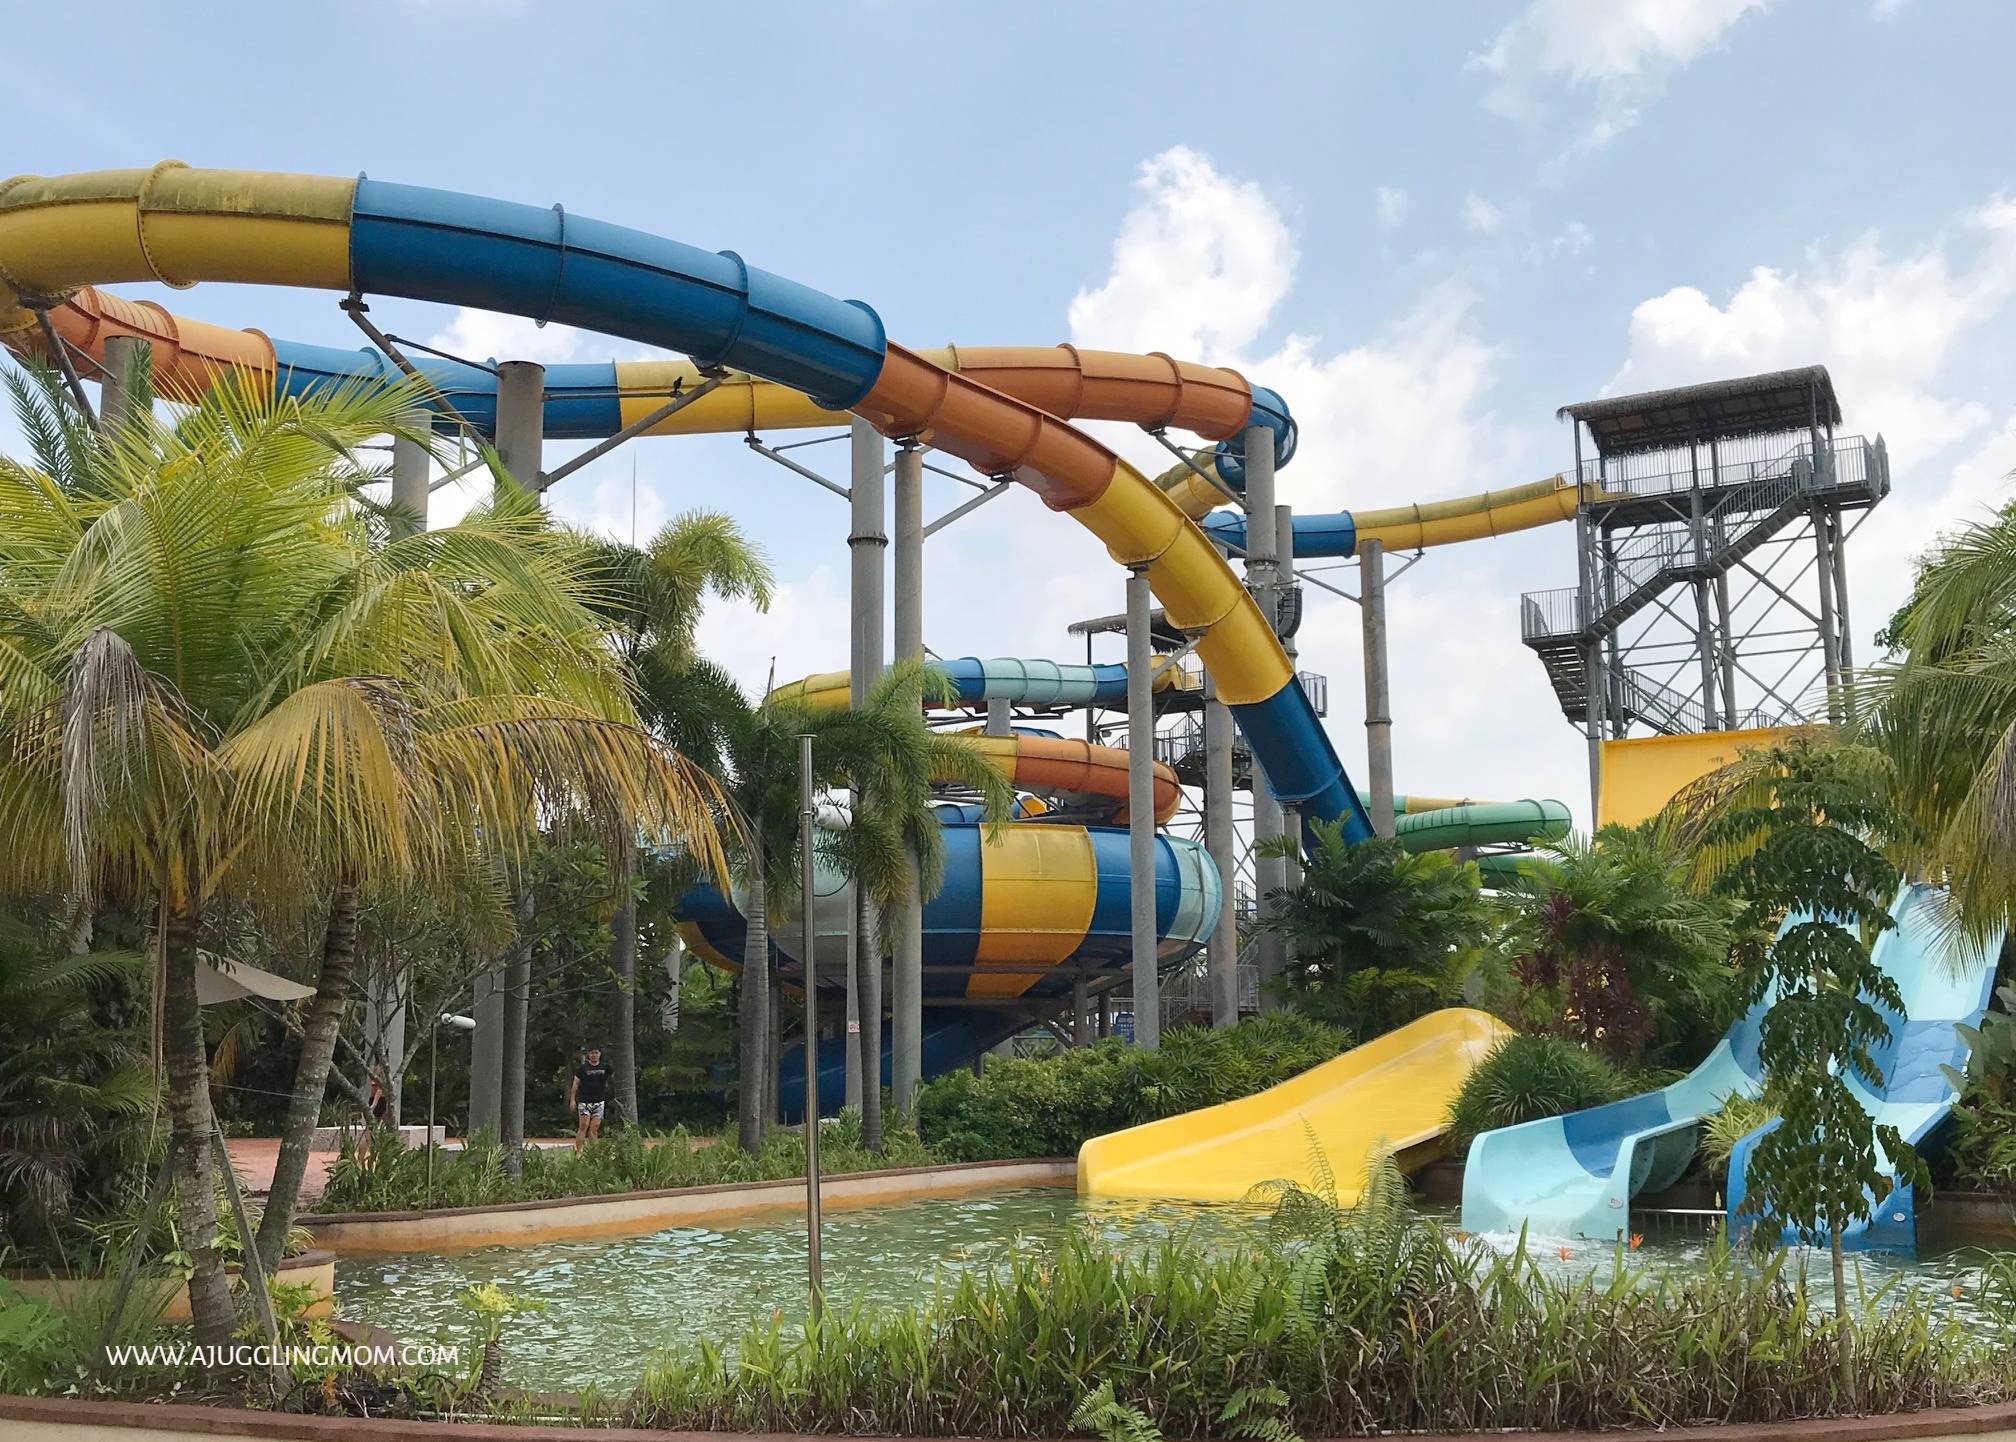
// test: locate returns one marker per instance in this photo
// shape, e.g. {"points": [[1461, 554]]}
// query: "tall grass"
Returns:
{"points": [[1334, 1323], [385, 1175]]}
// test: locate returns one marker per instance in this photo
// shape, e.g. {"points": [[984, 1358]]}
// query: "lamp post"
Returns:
{"points": [[461, 1024]]}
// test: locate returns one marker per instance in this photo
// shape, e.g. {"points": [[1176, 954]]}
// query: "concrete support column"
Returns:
{"points": [[906, 980], [409, 487], [1081, 1012], [486, 1052], [1378, 695], [521, 421], [1284, 570], [1141, 812], [1262, 575], [1000, 717], [116, 398], [1222, 956], [867, 554], [521, 440]]}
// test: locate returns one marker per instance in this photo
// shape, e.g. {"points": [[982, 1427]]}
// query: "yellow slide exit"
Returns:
{"points": [[1393, 1092]]}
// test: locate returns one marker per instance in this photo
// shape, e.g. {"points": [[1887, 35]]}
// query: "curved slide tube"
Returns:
{"points": [[179, 225], [1021, 916], [1066, 685], [1944, 984], [1391, 1094]]}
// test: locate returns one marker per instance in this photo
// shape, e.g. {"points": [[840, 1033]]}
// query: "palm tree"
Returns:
{"points": [[212, 684], [654, 598], [1944, 712], [1610, 940], [1379, 936], [893, 846]]}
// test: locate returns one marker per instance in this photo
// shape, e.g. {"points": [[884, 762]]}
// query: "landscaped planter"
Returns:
{"points": [[64, 1419], [316, 1268], [453, 1229]]}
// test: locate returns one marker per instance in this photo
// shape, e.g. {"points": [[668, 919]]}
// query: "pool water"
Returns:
{"points": [[610, 1304]]}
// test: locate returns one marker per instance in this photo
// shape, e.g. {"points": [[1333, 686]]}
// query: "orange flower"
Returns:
{"points": [[1637, 1240], [1566, 1253]]}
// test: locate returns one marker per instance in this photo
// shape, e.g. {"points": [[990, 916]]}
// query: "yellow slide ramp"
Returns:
{"points": [[1393, 1092]]}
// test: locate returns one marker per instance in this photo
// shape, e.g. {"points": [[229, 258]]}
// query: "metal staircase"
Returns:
{"points": [[1650, 542]]}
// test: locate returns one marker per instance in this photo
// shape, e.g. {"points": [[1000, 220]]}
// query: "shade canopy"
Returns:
{"points": [[219, 979], [1759, 405]]}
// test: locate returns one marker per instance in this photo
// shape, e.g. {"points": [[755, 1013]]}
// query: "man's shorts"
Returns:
{"points": [[591, 1110]]}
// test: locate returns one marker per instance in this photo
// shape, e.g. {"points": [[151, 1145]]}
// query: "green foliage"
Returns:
{"points": [[1527, 1076], [1608, 942], [1942, 713], [1049, 1106], [1806, 830], [1735, 1119], [1379, 936], [1355, 1323], [74, 1083], [386, 1176]]}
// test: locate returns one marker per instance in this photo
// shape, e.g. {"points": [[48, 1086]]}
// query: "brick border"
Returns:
{"points": [[181, 1419]]}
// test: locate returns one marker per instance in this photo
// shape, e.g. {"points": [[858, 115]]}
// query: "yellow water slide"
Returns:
{"points": [[1391, 1094]]}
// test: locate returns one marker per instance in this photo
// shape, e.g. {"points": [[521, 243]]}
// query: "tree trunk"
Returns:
{"points": [[188, 1062], [311, 1072], [517, 999], [869, 983], [754, 1018], [623, 1000]]}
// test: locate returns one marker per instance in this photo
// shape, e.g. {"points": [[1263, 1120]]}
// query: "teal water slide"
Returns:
{"points": [[1575, 1175]]}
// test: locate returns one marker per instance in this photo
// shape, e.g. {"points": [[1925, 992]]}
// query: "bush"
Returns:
{"points": [[1339, 1324], [387, 1176], [1526, 1077], [1735, 1119], [1049, 1106]]}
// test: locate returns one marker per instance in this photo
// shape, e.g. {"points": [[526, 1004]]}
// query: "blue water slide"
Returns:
{"points": [[1318, 536], [1944, 979], [1575, 1175]]}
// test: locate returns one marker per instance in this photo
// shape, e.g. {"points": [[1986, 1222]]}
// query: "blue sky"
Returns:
{"points": [[1428, 226]]}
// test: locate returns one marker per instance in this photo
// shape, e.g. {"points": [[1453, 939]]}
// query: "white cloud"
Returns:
{"points": [[1883, 325], [1889, 329], [1200, 264], [1625, 51], [484, 335], [1480, 215], [1887, 9], [1389, 202], [1574, 238], [1396, 417]]}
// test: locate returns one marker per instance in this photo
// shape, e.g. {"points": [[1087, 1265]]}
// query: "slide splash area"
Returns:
{"points": [[1943, 979], [1575, 1175], [1391, 1094]]}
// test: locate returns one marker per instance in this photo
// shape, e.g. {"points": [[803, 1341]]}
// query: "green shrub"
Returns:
{"points": [[1525, 1077], [1737, 1117], [1049, 1106], [387, 1176], [1340, 1324]]}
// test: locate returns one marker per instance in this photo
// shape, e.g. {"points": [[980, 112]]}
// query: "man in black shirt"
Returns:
{"points": [[587, 1095]]}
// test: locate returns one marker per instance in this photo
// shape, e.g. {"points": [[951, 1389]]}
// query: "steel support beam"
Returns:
{"points": [[867, 555], [1263, 578], [1141, 812], [1378, 692], [1220, 842], [906, 980]]}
